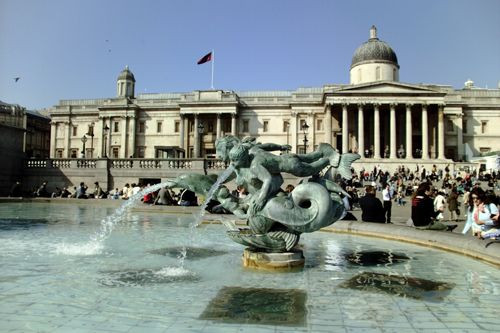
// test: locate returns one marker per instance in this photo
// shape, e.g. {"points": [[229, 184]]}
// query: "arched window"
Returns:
{"points": [[394, 74], [359, 75], [377, 73]]}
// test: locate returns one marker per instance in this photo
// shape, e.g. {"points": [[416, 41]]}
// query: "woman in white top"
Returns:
{"points": [[482, 216]]}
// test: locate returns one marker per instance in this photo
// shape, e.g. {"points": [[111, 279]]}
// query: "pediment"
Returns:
{"points": [[387, 88]]}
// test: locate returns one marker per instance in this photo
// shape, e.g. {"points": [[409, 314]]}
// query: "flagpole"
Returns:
{"points": [[213, 61]]}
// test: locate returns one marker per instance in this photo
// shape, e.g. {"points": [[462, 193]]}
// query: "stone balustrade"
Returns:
{"points": [[111, 173]]}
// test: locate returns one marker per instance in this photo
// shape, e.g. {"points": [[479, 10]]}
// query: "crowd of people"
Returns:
{"points": [[435, 195]]}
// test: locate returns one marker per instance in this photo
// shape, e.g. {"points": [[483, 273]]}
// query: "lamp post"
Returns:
{"points": [[105, 129], [91, 134], [201, 129], [84, 139], [305, 127]]}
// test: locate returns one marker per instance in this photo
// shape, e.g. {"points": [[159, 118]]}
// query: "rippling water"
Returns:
{"points": [[133, 281]]}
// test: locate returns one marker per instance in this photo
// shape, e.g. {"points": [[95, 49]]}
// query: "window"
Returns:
{"points": [[159, 127], [484, 126], [245, 126], [394, 74], [141, 152], [75, 130], [210, 127], [301, 149], [59, 153], [74, 153], [449, 125], [226, 125], [286, 125], [464, 126], [302, 122], [191, 126], [265, 126], [377, 73], [116, 127], [359, 75], [115, 152], [319, 124], [90, 131], [142, 126], [484, 150], [177, 126]]}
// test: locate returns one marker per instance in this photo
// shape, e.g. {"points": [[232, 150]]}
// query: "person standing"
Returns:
{"points": [[387, 195], [453, 204]]}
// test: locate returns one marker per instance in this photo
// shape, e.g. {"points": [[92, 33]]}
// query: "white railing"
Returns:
{"points": [[61, 163]]}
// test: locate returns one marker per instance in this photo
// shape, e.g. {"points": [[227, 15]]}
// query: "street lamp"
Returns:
{"points": [[91, 134], [305, 127], [201, 130], [105, 129], [84, 139]]}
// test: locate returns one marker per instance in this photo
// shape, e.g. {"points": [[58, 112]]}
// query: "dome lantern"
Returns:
{"points": [[373, 61], [125, 83]]}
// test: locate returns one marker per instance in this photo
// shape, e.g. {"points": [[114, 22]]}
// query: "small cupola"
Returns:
{"points": [[125, 84]]}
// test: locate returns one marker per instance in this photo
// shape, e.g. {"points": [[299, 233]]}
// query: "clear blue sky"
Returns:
{"points": [[68, 49]]}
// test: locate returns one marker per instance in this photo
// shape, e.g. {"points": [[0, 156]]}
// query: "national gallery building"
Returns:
{"points": [[384, 120]]}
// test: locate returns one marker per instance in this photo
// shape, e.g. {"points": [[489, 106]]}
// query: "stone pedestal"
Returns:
{"points": [[283, 261]]}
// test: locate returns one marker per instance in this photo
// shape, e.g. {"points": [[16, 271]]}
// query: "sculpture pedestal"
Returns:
{"points": [[280, 261]]}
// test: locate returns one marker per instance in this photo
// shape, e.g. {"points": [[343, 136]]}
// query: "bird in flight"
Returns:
{"points": [[16, 79]]}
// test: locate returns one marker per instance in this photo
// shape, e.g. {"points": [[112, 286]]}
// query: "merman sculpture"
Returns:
{"points": [[276, 219]]}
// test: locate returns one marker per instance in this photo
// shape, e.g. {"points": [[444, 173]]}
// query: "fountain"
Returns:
{"points": [[275, 219]]}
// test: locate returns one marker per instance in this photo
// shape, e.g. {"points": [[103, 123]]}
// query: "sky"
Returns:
{"points": [[69, 49]]}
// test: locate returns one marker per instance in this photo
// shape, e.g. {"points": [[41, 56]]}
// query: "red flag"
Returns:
{"points": [[205, 59]]}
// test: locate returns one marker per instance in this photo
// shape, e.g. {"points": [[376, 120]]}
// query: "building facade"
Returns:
{"points": [[385, 120]]}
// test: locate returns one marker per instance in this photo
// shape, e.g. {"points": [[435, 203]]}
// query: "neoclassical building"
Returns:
{"points": [[385, 120]]}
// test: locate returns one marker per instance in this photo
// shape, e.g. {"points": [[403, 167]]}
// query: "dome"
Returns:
{"points": [[126, 74], [374, 50]]}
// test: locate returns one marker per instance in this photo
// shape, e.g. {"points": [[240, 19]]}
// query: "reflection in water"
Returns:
{"points": [[140, 277], [192, 253], [19, 223], [373, 258], [258, 306], [402, 286]]}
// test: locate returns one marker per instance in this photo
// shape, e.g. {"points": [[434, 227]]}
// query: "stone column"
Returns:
{"points": [[132, 136], [328, 124], [376, 131], [181, 134], [109, 153], [196, 137], [219, 126], [441, 133], [53, 130], [393, 131], [409, 145], [361, 131], [345, 130], [425, 133], [67, 140], [233, 124], [460, 137], [312, 132], [123, 143], [293, 129]]}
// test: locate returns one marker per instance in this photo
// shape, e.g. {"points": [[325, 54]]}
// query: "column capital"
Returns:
{"points": [[376, 105], [233, 114], [409, 105], [393, 105]]}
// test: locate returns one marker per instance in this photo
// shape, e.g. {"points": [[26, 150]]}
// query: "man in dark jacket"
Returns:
{"points": [[372, 208]]}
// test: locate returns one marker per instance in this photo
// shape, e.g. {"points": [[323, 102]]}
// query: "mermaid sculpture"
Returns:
{"points": [[276, 220]]}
